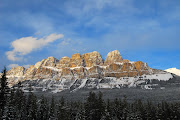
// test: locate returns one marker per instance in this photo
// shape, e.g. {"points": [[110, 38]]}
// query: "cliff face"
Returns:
{"points": [[16, 74], [64, 62], [76, 60], [92, 59], [88, 65], [113, 57], [17, 71]]}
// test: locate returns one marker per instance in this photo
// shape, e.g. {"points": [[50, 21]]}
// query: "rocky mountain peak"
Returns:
{"points": [[112, 53], [142, 67], [92, 59], [113, 57], [76, 60], [64, 62], [17, 71], [50, 61], [76, 56], [31, 71], [65, 57], [38, 64]]}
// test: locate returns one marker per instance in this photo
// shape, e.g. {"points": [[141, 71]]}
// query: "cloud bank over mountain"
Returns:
{"points": [[26, 45]]}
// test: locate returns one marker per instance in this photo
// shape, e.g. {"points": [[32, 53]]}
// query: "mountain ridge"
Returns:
{"points": [[88, 70], [88, 62]]}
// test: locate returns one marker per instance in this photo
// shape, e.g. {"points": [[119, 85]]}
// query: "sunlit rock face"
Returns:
{"points": [[16, 74], [64, 62], [17, 71], [31, 71], [87, 70], [92, 59], [142, 68], [76, 60], [50, 61], [113, 57]]}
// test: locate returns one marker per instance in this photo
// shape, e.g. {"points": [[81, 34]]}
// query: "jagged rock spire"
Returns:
{"points": [[113, 57]]}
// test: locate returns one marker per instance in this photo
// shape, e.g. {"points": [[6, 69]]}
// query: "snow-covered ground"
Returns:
{"points": [[54, 86]]}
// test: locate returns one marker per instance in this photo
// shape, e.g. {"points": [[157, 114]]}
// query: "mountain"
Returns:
{"points": [[174, 71], [86, 71]]}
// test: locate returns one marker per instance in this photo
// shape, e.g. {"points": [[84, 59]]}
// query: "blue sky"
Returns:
{"points": [[31, 30]]}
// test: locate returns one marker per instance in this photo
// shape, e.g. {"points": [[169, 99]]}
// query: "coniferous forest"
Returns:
{"points": [[16, 105]]}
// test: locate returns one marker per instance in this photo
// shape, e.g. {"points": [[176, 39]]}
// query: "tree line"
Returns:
{"points": [[15, 105]]}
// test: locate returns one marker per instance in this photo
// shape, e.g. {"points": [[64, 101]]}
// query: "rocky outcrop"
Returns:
{"points": [[43, 69], [92, 59], [16, 74], [66, 72], [76, 60], [113, 70], [64, 62], [96, 72], [50, 61], [121, 70], [127, 69], [125, 61], [30, 73], [142, 68], [17, 71], [80, 72], [113, 57]]}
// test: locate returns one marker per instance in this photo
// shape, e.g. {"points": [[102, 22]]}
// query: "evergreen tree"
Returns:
{"points": [[43, 109], [108, 111], [117, 109], [124, 107], [62, 113], [4, 92], [34, 108], [20, 102], [141, 110], [100, 106], [80, 112], [31, 107], [11, 113], [151, 111], [52, 109], [94, 107]]}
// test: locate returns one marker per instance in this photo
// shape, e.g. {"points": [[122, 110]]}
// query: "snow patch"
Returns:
{"points": [[53, 68], [174, 71]]}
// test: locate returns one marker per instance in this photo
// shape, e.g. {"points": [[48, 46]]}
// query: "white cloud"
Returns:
{"points": [[26, 45], [11, 55], [12, 65], [65, 42]]}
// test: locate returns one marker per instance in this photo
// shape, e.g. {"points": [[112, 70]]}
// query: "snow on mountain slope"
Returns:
{"points": [[54, 86], [174, 71]]}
